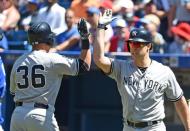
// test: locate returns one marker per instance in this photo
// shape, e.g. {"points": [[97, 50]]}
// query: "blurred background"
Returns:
{"points": [[92, 102]]}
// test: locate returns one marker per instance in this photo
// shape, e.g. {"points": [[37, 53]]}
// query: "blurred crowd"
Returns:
{"points": [[167, 20]]}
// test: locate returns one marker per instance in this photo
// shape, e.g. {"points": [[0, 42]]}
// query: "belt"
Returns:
{"points": [[142, 124], [36, 105]]}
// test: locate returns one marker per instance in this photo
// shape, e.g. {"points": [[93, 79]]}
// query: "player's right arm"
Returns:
{"points": [[103, 62]]}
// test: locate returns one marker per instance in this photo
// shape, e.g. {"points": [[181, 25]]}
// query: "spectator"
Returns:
{"points": [[93, 14], [139, 6], [152, 23], [54, 15], [2, 90], [3, 42], [125, 10], [9, 15], [121, 35], [115, 7], [32, 7], [160, 8], [80, 7], [178, 13], [69, 39], [181, 43], [105, 4], [157, 7]]}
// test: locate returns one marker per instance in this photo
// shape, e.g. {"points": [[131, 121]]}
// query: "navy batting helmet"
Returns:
{"points": [[140, 35], [40, 33]]}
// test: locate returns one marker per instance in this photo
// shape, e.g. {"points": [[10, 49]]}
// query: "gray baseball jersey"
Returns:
{"points": [[142, 94], [36, 76]]}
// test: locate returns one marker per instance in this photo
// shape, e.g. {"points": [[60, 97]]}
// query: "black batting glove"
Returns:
{"points": [[84, 33], [83, 29]]}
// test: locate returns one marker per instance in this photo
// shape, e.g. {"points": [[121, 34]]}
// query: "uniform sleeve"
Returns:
{"points": [[115, 72], [173, 90], [2, 79], [64, 65], [12, 81]]}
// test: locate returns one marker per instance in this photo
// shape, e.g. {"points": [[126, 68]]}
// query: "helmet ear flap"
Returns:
{"points": [[51, 39]]}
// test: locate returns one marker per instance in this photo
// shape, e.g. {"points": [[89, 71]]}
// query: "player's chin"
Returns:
{"points": [[135, 54]]}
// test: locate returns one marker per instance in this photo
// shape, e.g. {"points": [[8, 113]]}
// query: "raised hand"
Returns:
{"points": [[83, 29], [105, 19]]}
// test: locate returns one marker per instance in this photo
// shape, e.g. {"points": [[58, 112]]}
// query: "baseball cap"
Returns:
{"points": [[182, 30], [144, 20], [146, 1], [151, 18], [107, 4], [93, 10], [126, 4], [120, 23]]}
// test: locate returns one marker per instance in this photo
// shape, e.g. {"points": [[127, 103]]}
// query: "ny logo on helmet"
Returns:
{"points": [[134, 33]]}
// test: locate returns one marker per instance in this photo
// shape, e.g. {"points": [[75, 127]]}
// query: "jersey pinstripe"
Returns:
{"points": [[142, 94], [36, 76]]}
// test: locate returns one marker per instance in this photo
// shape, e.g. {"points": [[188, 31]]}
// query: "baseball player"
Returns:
{"points": [[2, 90], [36, 77], [142, 82]]}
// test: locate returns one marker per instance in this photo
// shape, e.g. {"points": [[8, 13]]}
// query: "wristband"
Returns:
{"points": [[85, 44], [102, 26]]}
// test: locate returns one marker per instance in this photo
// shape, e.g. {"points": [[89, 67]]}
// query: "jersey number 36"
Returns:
{"points": [[26, 78]]}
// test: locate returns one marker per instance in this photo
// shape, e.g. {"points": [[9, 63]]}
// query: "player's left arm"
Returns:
{"points": [[183, 112], [175, 94], [75, 66], [85, 55]]}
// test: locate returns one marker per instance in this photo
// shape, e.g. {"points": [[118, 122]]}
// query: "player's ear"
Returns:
{"points": [[151, 46]]}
